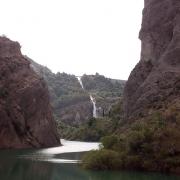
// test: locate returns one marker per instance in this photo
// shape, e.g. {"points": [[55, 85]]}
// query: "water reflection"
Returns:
{"points": [[24, 170], [61, 164], [14, 168]]}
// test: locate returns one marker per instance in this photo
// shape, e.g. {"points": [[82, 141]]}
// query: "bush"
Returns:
{"points": [[109, 141], [133, 162], [102, 160]]}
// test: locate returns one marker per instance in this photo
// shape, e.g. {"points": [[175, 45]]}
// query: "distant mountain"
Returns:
{"points": [[71, 103]]}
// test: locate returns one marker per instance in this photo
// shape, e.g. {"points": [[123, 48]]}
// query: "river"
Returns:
{"points": [[61, 163]]}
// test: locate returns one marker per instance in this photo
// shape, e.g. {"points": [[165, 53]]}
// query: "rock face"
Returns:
{"points": [[154, 84], [25, 113]]}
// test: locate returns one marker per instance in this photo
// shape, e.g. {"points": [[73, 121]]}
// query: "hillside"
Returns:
{"points": [[72, 107], [71, 104], [106, 91]]}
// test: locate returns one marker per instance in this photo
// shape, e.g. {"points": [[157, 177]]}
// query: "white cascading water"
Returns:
{"points": [[91, 98], [94, 106], [80, 82]]}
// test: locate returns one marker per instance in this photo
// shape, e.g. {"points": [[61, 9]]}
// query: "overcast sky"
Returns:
{"points": [[76, 36]]}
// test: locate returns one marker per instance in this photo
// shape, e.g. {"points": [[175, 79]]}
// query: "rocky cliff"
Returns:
{"points": [[154, 84], [25, 113], [152, 93]]}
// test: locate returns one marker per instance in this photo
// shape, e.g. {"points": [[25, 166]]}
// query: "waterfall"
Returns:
{"points": [[94, 106], [91, 98], [80, 82]]}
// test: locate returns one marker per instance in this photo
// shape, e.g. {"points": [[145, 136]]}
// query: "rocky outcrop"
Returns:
{"points": [[25, 113], [154, 84]]}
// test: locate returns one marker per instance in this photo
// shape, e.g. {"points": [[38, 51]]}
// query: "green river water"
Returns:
{"points": [[34, 165]]}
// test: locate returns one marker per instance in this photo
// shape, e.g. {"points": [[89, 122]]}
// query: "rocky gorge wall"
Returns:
{"points": [[154, 84], [25, 113]]}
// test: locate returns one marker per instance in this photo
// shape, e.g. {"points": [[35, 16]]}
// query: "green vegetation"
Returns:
{"points": [[103, 86], [92, 130], [71, 104], [150, 144], [109, 141], [64, 90], [107, 92], [101, 160]]}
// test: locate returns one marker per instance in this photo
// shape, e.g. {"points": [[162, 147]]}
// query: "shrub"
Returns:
{"points": [[133, 162], [109, 141], [102, 160]]}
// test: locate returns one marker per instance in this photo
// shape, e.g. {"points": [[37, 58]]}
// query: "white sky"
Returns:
{"points": [[76, 36]]}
